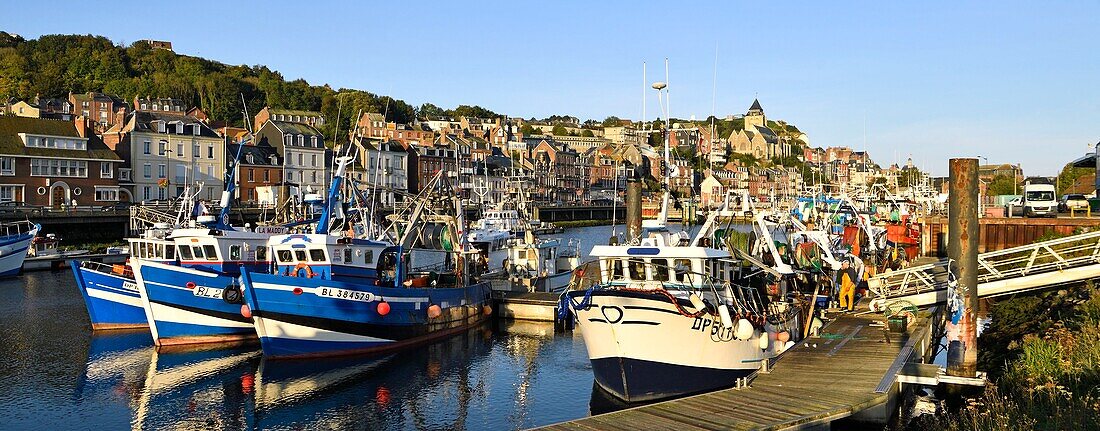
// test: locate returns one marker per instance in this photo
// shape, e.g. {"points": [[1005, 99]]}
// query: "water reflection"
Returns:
{"points": [[477, 380]]}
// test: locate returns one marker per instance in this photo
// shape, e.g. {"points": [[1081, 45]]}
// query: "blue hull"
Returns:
{"points": [[178, 314], [112, 300], [327, 317]]}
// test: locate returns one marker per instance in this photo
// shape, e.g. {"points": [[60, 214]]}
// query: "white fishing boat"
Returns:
{"points": [[541, 265], [44, 253], [15, 239]]}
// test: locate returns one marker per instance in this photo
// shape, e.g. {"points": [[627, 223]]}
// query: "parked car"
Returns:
{"points": [[1073, 202], [118, 206], [1015, 208], [17, 208]]}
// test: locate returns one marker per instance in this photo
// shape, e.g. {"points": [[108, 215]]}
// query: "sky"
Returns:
{"points": [[1011, 82]]}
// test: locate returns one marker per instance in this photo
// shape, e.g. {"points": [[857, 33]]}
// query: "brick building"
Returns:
{"points": [[52, 163]]}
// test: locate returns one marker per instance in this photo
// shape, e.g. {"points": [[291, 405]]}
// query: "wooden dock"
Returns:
{"points": [[535, 306], [848, 371]]}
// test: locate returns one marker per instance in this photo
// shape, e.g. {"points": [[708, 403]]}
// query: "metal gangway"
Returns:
{"points": [[143, 217], [1029, 267]]}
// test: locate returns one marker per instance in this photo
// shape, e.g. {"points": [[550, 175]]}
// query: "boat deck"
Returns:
{"points": [[849, 370]]}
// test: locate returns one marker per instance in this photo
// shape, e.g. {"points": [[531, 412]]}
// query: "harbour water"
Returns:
{"points": [[56, 374]]}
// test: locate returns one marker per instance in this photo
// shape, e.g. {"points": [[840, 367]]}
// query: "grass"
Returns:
{"points": [[1043, 353]]}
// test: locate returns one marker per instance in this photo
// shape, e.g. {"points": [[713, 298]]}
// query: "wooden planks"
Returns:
{"points": [[819, 380]]}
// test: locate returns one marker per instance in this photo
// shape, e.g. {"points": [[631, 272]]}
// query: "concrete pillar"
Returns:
{"points": [[962, 247]]}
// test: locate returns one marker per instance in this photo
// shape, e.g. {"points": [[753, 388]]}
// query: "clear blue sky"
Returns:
{"points": [[1014, 82]]}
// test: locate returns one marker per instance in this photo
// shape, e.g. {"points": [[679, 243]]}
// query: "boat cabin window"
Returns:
{"points": [[368, 256], [234, 252], [637, 269], [211, 252], [300, 255], [261, 253], [285, 256], [660, 269], [317, 255], [682, 267], [616, 269], [347, 255], [170, 252], [185, 252], [148, 249], [197, 250]]}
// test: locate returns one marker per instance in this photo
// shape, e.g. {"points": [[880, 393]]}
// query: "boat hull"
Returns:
{"points": [[180, 315], [643, 349], [300, 317], [113, 300], [13, 251]]}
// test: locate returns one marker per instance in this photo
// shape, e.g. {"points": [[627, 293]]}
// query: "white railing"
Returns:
{"points": [[1005, 269]]}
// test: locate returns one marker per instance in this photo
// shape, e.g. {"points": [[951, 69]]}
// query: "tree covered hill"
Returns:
{"points": [[54, 65]]}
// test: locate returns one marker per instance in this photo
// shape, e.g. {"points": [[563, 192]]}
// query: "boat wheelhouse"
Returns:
{"points": [[15, 239], [541, 265]]}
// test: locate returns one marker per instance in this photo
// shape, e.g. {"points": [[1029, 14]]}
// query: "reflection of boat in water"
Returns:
{"points": [[429, 387], [117, 363], [280, 383], [198, 388]]}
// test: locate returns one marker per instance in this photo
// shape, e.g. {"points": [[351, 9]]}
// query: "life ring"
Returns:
{"points": [[299, 267]]}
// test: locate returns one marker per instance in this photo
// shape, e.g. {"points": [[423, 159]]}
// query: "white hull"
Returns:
{"points": [[642, 348]]}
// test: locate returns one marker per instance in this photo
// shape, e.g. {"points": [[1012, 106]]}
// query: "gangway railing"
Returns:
{"points": [[143, 217], [1013, 270]]}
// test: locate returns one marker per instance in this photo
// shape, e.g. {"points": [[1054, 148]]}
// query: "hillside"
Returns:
{"points": [[54, 65]]}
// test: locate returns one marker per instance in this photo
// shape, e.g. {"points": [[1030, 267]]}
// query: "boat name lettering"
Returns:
{"points": [[351, 295], [716, 327], [207, 292], [129, 285]]}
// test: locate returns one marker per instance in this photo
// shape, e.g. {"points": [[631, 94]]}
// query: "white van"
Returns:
{"points": [[1039, 200]]}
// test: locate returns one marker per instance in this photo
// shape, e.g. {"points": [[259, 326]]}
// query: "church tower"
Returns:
{"points": [[755, 116]]}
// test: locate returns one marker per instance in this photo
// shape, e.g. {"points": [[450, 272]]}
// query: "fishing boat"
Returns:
{"points": [[111, 292], [542, 265], [662, 319], [199, 300], [15, 240], [300, 311]]}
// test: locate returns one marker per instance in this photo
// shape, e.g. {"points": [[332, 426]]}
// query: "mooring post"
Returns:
{"points": [[962, 247], [633, 203]]}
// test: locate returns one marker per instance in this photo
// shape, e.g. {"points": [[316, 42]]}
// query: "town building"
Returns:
{"points": [[384, 167], [165, 152], [163, 104], [305, 157], [54, 163], [259, 173], [313, 119], [102, 109], [756, 138]]}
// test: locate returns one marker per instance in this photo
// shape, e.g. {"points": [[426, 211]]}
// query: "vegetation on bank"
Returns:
{"points": [[1043, 356], [93, 247]]}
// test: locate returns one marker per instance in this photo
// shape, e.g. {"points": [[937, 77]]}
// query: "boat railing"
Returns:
{"points": [[120, 270], [16, 228]]}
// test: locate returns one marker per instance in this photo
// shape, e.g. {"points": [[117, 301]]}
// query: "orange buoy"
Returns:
{"points": [[383, 308], [245, 311], [297, 291], [487, 310], [783, 336], [190, 285], [434, 311]]}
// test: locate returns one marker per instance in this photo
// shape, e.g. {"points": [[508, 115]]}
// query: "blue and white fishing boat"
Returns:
{"points": [[307, 308], [15, 240], [199, 300], [111, 292]]}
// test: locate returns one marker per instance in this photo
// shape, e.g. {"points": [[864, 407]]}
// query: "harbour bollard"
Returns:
{"points": [[962, 247]]}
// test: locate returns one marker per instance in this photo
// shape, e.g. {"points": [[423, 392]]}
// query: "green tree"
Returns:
{"points": [[430, 110], [1003, 185], [473, 111], [559, 130], [528, 130], [1069, 175], [587, 133], [611, 121]]}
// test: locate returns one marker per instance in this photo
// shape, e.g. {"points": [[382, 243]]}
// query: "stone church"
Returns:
{"points": [[757, 138]]}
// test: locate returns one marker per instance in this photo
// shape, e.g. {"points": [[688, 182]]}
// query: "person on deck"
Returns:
{"points": [[847, 280]]}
